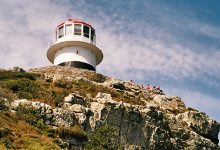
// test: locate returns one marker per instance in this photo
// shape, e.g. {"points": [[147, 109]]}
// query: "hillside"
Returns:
{"points": [[66, 108]]}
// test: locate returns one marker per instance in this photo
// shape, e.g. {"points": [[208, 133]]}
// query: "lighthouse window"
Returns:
{"points": [[77, 29], [86, 31], [60, 32], [68, 29], [92, 34]]}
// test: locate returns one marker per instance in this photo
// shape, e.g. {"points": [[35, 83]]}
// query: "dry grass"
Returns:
{"points": [[19, 133], [74, 131], [27, 86], [8, 94]]}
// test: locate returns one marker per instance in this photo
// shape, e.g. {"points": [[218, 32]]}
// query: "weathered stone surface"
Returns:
{"points": [[69, 73], [16, 103], [170, 103], [104, 98], [201, 124], [74, 99], [55, 117], [163, 122]]}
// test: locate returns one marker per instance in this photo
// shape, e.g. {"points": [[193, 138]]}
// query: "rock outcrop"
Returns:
{"points": [[157, 121]]}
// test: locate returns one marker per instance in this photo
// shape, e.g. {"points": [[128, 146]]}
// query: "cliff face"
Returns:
{"points": [[142, 119]]}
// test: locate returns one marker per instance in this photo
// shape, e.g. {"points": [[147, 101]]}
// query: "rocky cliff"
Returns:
{"points": [[141, 119]]}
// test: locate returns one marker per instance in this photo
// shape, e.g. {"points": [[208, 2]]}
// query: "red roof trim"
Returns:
{"points": [[82, 23], [60, 24], [76, 21]]}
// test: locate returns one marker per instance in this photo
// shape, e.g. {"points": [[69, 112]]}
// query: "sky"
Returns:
{"points": [[174, 44]]}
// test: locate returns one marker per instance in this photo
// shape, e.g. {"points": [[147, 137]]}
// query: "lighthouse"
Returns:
{"points": [[75, 46]]}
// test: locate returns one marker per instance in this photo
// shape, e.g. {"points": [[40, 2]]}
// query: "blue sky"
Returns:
{"points": [[174, 44]]}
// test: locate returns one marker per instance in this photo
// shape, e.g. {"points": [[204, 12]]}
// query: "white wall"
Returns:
{"points": [[70, 54], [75, 38]]}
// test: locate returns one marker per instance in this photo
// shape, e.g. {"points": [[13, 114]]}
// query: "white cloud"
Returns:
{"points": [[206, 29], [29, 25], [146, 54], [26, 28]]}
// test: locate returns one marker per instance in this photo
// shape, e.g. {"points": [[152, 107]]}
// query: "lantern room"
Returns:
{"points": [[75, 46]]}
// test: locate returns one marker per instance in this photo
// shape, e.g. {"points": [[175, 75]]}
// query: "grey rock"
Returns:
{"points": [[55, 117], [75, 99], [163, 122], [168, 102], [104, 98], [201, 124]]}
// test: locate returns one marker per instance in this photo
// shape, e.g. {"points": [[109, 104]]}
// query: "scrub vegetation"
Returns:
{"points": [[105, 138], [28, 86], [26, 129], [17, 134]]}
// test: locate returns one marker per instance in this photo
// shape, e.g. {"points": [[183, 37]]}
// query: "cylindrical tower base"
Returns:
{"points": [[78, 64]]}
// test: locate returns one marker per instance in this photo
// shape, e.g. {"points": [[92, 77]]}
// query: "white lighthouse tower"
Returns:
{"points": [[75, 46]]}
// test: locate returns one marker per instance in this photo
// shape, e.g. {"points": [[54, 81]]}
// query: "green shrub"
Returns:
{"points": [[23, 87], [75, 131], [50, 132], [29, 114], [16, 75], [3, 105], [191, 109], [40, 125], [2, 145], [58, 97], [104, 138], [8, 144], [96, 77], [37, 144], [63, 84], [4, 132], [17, 134], [8, 94]]}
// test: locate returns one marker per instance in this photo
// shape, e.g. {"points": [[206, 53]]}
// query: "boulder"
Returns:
{"points": [[75, 99], [169, 103], [55, 117], [104, 98], [201, 124]]}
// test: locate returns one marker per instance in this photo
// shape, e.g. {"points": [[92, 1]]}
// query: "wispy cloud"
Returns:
{"points": [[150, 48], [25, 31], [142, 46]]}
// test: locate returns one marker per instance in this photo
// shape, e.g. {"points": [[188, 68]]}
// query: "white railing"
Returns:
{"points": [[94, 42]]}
